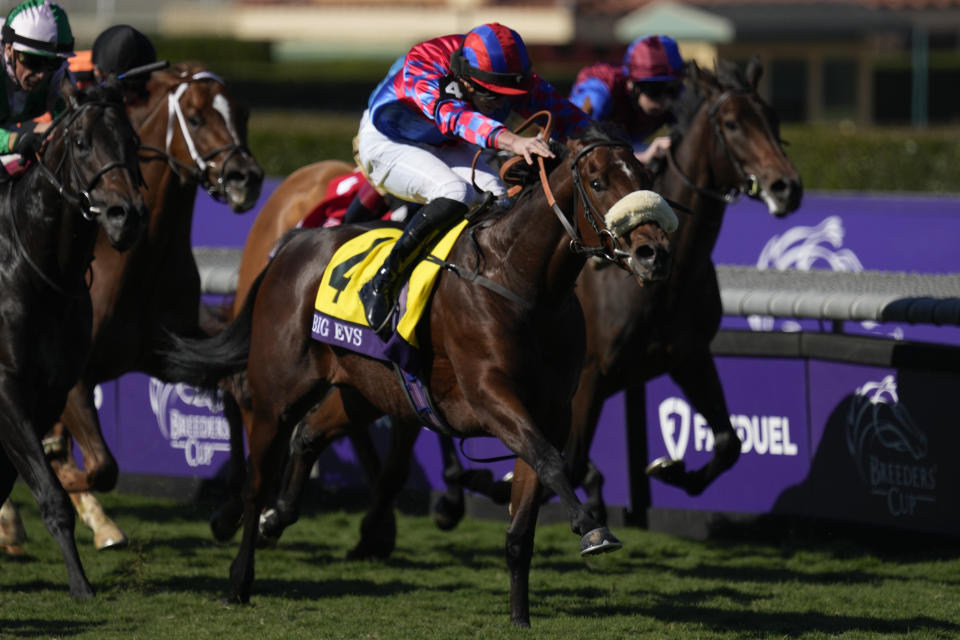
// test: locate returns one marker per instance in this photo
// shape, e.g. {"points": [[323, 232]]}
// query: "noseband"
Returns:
{"points": [[749, 184], [200, 172]]}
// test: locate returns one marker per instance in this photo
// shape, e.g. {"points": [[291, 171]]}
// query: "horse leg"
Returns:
{"points": [[268, 438], [378, 529], [587, 404], [449, 508], [81, 420], [332, 418], [698, 379], [524, 507], [12, 531], [22, 449], [229, 516]]}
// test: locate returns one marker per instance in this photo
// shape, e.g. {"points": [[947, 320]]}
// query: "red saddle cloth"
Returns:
{"points": [[340, 193]]}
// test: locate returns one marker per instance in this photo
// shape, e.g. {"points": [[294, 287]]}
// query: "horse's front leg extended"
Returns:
{"points": [[509, 421], [22, 451], [697, 377]]}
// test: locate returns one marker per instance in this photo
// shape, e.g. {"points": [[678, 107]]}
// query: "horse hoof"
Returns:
{"points": [[666, 470], [12, 532], [11, 549], [599, 541], [109, 537], [222, 532], [447, 513]]}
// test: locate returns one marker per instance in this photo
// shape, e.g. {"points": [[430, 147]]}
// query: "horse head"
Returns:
{"points": [[746, 152], [92, 160], [206, 134], [619, 219]]}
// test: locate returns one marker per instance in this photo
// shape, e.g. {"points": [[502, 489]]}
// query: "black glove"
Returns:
{"points": [[28, 143]]}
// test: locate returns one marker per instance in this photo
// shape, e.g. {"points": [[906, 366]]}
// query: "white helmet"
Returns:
{"points": [[40, 27]]}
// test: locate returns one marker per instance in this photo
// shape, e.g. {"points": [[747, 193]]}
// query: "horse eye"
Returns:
{"points": [[195, 120], [731, 125], [80, 140], [597, 185]]}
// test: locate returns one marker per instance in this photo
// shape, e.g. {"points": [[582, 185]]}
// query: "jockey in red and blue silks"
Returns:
{"points": [[440, 103], [638, 94]]}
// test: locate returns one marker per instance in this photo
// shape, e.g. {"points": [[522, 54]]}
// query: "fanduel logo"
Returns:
{"points": [[762, 435], [191, 420], [889, 448]]}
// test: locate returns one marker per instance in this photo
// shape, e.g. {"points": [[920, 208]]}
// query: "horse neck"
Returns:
{"points": [[696, 156], [56, 237], [533, 248]]}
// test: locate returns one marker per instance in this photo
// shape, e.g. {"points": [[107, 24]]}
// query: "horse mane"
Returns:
{"points": [[727, 76]]}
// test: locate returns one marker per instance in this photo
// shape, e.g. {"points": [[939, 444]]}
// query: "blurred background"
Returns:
{"points": [[868, 90]]}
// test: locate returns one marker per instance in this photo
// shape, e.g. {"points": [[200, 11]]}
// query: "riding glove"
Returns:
{"points": [[28, 143]]}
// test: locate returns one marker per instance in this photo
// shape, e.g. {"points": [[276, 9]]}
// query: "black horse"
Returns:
{"points": [[87, 178]]}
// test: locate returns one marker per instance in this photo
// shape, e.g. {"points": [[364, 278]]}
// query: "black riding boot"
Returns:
{"points": [[379, 295]]}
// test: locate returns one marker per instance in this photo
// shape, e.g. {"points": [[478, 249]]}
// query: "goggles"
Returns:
{"points": [[38, 63], [657, 90]]}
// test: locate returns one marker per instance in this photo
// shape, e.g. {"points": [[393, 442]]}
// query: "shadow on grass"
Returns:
{"points": [[687, 608], [48, 628]]}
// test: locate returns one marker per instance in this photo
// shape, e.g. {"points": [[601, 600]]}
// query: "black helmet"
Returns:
{"points": [[121, 48]]}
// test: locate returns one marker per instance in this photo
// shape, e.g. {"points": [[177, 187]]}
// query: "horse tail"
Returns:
{"points": [[205, 362]]}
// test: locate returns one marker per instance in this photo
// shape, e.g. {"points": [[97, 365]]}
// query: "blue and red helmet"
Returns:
{"points": [[494, 57], [653, 59]]}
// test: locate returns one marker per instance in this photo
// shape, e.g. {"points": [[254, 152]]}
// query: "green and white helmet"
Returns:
{"points": [[40, 27]]}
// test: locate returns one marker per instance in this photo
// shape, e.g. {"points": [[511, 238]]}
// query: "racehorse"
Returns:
{"points": [[192, 134], [86, 179], [501, 361], [726, 142]]}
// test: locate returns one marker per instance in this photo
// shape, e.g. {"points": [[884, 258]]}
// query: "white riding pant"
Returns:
{"points": [[419, 172]]}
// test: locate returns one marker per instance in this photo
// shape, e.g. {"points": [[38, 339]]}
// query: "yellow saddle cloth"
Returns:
{"points": [[356, 262]]}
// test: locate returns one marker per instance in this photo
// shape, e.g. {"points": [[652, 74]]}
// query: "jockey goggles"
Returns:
{"points": [[37, 63]]}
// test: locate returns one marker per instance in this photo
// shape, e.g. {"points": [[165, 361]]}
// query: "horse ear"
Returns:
{"points": [[754, 71], [69, 91]]}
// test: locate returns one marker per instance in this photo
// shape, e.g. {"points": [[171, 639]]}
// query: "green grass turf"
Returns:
{"points": [[169, 583]]}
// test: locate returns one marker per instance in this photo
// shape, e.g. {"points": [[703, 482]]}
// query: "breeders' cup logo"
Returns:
{"points": [[762, 435], [802, 248], [889, 448], [191, 420]]}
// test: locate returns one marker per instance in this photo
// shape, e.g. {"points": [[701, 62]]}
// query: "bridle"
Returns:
{"points": [[79, 198], [203, 163], [613, 251], [749, 184]]}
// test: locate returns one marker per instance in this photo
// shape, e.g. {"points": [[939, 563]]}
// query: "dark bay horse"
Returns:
{"points": [[193, 135], [726, 142], [499, 365], [86, 180]]}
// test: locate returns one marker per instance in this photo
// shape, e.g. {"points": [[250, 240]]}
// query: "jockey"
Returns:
{"points": [[638, 94], [119, 49], [438, 104], [37, 40]]}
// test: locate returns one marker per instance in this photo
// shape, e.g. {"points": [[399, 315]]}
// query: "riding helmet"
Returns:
{"points": [[494, 57], [653, 59], [39, 27]]}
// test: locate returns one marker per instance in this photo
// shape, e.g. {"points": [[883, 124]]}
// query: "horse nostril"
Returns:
{"points": [[236, 177], [779, 187], [116, 212], [645, 253]]}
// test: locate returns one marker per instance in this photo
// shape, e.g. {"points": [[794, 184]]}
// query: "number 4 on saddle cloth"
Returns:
{"points": [[339, 319]]}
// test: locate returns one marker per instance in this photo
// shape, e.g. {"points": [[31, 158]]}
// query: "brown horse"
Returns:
{"points": [[86, 180], [293, 199], [726, 142], [192, 134], [498, 363]]}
